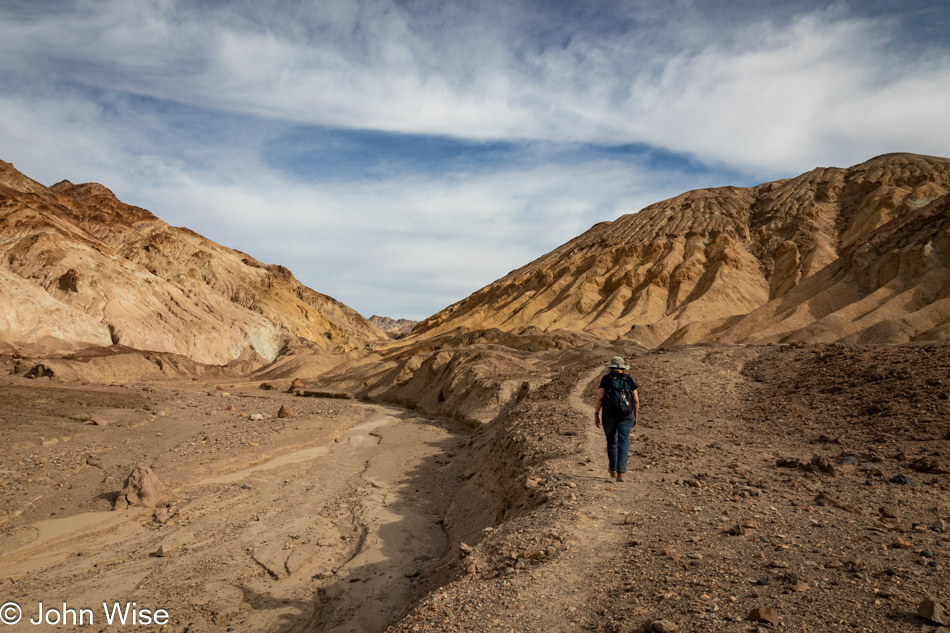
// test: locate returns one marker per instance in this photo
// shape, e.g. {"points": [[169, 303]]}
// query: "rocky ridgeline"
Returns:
{"points": [[79, 268], [854, 255], [394, 326]]}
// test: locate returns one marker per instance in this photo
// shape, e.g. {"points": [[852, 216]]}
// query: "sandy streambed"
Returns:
{"points": [[328, 521]]}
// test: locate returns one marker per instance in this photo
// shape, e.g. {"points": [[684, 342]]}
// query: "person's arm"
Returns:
{"points": [[636, 406], [600, 402]]}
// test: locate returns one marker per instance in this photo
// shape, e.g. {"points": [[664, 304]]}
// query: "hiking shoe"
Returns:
{"points": [[613, 473], [620, 477]]}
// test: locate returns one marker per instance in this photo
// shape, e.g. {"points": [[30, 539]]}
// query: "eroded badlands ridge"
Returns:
{"points": [[855, 255], [79, 267]]}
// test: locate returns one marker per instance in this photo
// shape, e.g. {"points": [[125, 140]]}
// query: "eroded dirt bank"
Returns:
{"points": [[330, 520], [811, 480]]}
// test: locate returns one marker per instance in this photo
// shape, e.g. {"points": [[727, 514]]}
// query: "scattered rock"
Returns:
{"points": [[324, 394], [285, 412], [164, 550], [822, 464], [902, 480], [824, 499], [929, 465], [230, 408], [900, 543], [934, 611], [266, 386], [663, 626], [818, 463], [297, 383], [99, 421], [764, 614], [144, 488], [465, 550], [257, 416]]}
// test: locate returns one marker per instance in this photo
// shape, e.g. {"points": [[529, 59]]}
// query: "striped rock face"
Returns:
{"points": [[856, 255], [79, 268]]}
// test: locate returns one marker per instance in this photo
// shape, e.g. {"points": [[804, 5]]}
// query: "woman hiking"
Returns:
{"points": [[617, 399]]}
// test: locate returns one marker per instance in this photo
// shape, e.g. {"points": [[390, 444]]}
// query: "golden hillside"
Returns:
{"points": [[857, 254], [78, 267]]}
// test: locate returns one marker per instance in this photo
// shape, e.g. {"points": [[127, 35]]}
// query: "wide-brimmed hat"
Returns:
{"points": [[617, 362]]}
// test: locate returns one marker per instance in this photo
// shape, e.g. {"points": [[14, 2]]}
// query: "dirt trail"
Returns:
{"points": [[286, 525], [811, 481]]}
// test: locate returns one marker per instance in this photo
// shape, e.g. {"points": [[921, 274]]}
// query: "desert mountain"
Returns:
{"points": [[80, 268], [395, 326], [856, 255]]}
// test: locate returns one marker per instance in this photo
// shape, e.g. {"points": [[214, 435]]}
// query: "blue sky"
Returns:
{"points": [[399, 155]]}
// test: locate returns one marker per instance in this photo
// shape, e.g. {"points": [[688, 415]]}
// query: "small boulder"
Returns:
{"points": [[900, 543], [285, 412], [764, 614], [144, 488], [934, 611], [663, 626], [297, 383]]}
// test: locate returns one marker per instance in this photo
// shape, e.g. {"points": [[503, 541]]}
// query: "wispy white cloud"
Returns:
{"points": [[758, 94], [407, 247], [108, 90]]}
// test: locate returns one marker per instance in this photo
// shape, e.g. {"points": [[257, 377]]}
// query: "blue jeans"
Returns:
{"points": [[617, 431]]}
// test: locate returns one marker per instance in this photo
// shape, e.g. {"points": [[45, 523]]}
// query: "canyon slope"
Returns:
{"points": [[854, 255], [79, 268]]}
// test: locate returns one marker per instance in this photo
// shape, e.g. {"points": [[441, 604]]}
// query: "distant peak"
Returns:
{"points": [[83, 191]]}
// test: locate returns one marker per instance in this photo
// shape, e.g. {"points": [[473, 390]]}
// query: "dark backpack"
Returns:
{"points": [[618, 397]]}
